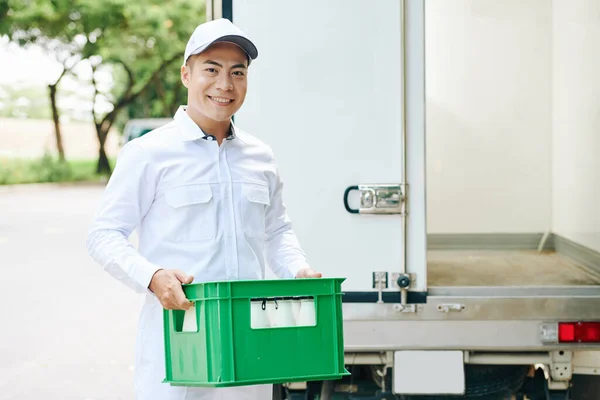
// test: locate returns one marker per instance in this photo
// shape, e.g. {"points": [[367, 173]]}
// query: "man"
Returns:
{"points": [[206, 198]]}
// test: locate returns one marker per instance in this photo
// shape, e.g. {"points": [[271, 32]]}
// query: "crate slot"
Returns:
{"points": [[185, 321], [282, 312], [190, 320]]}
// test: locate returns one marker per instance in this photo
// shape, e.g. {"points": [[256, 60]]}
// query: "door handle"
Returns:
{"points": [[378, 199], [346, 193]]}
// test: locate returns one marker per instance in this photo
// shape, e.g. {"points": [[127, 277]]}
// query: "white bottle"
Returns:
{"points": [[259, 317], [280, 312], [296, 308], [286, 312], [307, 315], [190, 323]]}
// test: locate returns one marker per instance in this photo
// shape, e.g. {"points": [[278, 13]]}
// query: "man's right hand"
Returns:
{"points": [[166, 285]]}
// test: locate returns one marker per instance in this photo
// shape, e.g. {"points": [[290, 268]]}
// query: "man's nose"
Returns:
{"points": [[225, 82]]}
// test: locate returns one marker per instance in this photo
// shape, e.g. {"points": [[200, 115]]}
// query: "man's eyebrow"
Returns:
{"points": [[211, 62]]}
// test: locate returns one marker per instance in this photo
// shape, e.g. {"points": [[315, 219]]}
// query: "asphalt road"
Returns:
{"points": [[67, 327]]}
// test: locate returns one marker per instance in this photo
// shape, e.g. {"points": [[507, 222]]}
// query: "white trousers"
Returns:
{"points": [[150, 367]]}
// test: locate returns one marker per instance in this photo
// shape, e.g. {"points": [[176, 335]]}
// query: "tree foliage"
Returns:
{"points": [[141, 42]]}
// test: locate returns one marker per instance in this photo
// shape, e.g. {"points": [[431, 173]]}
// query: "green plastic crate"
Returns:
{"points": [[227, 351]]}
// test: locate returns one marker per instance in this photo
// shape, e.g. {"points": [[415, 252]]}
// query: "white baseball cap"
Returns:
{"points": [[219, 30]]}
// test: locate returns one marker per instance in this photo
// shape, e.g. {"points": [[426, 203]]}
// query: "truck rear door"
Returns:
{"points": [[338, 93]]}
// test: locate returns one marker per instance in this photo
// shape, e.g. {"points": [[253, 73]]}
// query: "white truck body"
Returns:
{"points": [[482, 116]]}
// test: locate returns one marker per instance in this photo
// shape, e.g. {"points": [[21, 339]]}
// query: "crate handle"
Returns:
{"points": [[192, 313]]}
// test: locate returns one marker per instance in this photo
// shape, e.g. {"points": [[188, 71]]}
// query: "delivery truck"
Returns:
{"points": [[442, 156]]}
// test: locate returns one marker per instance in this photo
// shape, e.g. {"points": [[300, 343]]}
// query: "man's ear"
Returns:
{"points": [[185, 75]]}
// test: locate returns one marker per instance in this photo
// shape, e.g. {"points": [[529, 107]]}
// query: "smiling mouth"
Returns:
{"points": [[221, 100]]}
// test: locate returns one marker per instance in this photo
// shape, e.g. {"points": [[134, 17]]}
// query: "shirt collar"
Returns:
{"points": [[191, 131]]}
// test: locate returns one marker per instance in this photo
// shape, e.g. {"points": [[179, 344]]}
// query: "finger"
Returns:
{"points": [[186, 305], [183, 277], [312, 274], [182, 301], [167, 301], [302, 273], [308, 273], [167, 305]]}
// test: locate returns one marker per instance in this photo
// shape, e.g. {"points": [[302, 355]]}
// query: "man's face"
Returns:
{"points": [[216, 81]]}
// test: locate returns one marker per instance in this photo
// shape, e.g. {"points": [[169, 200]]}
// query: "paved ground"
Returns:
{"points": [[67, 326]]}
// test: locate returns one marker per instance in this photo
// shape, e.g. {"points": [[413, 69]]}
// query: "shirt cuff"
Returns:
{"points": [[144, 271]]}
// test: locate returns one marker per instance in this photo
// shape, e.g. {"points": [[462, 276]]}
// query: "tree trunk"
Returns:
{"points": [[103, 126], [103, 166], [55, 117]]}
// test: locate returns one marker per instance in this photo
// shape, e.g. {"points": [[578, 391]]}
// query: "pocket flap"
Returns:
{"points": [[187, 195], [256, 193]]}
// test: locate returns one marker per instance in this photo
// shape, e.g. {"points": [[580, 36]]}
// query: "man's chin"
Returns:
{"points": [[221, 115], [216, 114], [221, 118]]}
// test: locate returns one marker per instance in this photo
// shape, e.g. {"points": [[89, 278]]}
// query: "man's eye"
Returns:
{"points": [[211, 70], [238, 73]]}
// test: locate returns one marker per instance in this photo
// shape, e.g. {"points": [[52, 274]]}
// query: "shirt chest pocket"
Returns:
{"points": [[255, 200], [191, 213]]}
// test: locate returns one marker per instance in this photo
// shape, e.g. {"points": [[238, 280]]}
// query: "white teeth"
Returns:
{"points": [[221, 99]]}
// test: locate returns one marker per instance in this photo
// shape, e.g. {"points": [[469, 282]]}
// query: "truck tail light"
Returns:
{"points": [[579, 332]]}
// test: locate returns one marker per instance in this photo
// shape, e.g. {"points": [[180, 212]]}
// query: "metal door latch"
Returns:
{"points": [[380, 282], [378, 199], [450, 307], [407, 308]]}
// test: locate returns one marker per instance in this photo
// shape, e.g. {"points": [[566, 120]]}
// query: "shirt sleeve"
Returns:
{"points": [[128, 196], [282, 249]]}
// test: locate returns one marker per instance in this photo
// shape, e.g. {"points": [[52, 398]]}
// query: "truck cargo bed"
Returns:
{"points": [[506, 268]]}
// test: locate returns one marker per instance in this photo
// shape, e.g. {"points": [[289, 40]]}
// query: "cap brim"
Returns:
{"points": [[246, 45], [241, 41]]}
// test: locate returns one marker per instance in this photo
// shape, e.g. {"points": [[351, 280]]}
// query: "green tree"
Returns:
{"points": [[137, 40], [140, 49], [162, 98], [49, 24]]}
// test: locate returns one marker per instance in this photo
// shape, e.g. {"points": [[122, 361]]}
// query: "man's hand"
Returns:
{"points": [[308, 273], [166, 285]]}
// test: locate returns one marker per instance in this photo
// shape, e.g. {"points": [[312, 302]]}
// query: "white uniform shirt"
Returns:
{"points": [[215, 212]]}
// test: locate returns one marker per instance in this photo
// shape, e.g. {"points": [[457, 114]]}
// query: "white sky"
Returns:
{"points": [[33, 67], [30, 66]]}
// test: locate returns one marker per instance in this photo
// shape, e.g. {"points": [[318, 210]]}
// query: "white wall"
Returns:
{"points": [[488, 115], [576, 121]]}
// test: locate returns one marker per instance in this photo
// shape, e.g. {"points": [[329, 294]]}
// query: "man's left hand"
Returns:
{"points": [[308, 273]]}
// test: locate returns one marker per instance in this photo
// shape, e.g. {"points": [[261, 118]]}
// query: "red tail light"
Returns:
{"points": [[579, 332]]}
